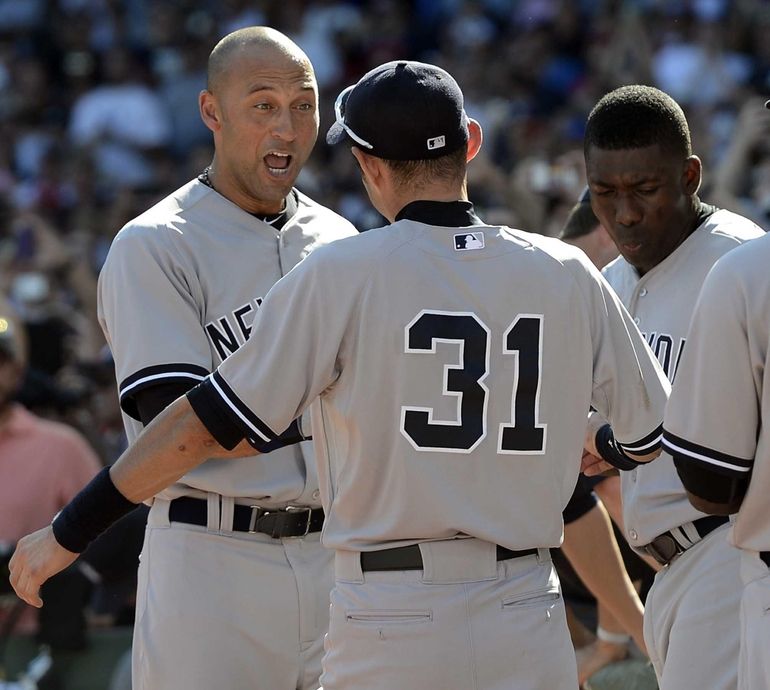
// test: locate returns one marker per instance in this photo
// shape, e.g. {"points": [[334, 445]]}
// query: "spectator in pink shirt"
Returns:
{"points": [[42, 463]]}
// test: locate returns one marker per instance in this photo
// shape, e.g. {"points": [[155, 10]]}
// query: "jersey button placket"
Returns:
{"points": [[641, 292]]}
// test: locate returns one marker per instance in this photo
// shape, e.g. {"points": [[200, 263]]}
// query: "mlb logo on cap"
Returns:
{"points": [[402, 110], [436, 143], [469, 240]]}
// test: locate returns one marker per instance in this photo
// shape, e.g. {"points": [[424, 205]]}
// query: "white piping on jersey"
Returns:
{"points": [[704, 458], [236, 410], [274, 220], [647, 446], [164, 375]]}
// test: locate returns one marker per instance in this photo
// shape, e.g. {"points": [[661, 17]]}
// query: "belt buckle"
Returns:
{"points": [[296, 509], [664, 548], [256, 513]]}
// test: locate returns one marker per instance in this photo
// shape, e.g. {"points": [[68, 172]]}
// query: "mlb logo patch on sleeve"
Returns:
{"points": [[469, 240]]}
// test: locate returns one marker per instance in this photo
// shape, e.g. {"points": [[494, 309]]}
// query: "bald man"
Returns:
{"points": [[233, 583]]}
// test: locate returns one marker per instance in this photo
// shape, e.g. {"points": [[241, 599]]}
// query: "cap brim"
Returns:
{"points": [[336, 134]]}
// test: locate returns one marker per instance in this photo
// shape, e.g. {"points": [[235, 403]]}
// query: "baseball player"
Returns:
{"points": [[722, 458], [589, 542], [644, 181], [233, 543], [450, 416]]}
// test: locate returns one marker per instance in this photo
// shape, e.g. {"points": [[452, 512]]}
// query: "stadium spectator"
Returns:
{"points": [[42, 466]]}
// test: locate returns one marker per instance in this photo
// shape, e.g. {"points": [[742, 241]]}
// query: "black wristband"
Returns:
{"points": [[92, 511], [611, 452]]}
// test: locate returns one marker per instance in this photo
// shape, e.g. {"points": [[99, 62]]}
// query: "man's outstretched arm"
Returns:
{"points": [[175, 442]]}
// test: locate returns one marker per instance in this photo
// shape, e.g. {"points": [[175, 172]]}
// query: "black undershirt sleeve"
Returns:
{"points": [[151, 401], [711, 485]]}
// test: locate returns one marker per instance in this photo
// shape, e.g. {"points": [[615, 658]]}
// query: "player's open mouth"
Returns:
{"points": [[632, 247], [278, 163]]}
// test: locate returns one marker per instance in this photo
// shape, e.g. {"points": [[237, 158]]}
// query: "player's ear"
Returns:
{"points": [[691, 177], [369, 164], [475, 138], [209, 110]]}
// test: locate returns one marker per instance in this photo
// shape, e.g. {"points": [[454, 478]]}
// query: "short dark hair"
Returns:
{"points": [[581, 221], [634, 117], [418, 173]]}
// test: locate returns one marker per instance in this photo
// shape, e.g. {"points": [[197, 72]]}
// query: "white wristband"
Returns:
{"points": [[611, 637]]}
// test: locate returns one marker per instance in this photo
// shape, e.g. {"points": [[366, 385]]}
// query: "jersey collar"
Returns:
{"points": [[278, 220], [448, 214]]}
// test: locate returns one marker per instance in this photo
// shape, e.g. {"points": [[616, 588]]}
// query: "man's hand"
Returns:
{"points": [[591, 465], [37, 558]]}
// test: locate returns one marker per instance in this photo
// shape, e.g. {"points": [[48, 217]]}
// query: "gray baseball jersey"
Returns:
{"points": [[207, 264], [661, 303], [455, 367], [715, 419], [722, 392]]}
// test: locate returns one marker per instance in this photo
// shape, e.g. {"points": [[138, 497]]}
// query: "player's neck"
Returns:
{"points": [[221, 183], [438, 192]]}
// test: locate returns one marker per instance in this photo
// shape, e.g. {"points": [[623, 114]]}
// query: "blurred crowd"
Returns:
{"points": [[99, 118]]}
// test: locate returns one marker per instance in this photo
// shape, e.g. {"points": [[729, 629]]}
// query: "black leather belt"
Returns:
{"points": [[665, 548], [409, 558], [287, 522], [765, 556]]}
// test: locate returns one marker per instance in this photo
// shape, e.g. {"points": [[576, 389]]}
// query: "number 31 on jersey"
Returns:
{"points": [[521, 433]]}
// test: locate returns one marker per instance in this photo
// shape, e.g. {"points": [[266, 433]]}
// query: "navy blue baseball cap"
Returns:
{"points": [[402, 110]]}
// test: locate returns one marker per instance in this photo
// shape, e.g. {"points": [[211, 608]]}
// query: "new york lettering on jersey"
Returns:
{"points": [[223, 329], [662, 346]]}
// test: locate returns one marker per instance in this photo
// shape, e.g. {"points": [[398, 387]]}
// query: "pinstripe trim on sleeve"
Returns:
{"points": [[687, 450], [149, 376], [241, 414], [644, 445]]}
